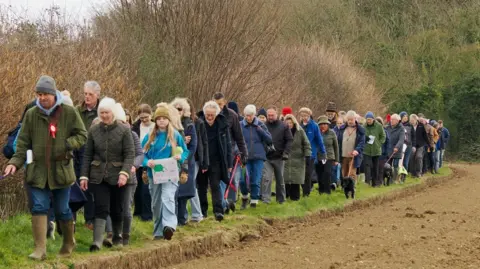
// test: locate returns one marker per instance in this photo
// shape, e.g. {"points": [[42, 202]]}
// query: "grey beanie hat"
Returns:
{"points": [[46, 84]]}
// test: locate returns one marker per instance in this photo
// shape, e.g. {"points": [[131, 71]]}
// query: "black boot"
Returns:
{"points": [[244, 203]]}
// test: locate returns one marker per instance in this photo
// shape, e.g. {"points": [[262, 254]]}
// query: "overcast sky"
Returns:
{"points": [[74, 9]]}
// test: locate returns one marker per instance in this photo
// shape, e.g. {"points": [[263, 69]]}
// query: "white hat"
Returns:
{"points": [[67, 100]]}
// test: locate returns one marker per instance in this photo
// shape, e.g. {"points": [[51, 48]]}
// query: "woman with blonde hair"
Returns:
{"points": [[294, 173], [162, 143]]}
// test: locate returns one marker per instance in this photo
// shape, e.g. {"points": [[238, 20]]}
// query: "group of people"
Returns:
{"points": [[96, 153]]}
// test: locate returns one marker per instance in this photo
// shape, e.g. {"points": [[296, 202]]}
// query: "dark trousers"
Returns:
{"points": [[307, 187], [371, 169], [109, 201], [212, 177], [419, 160], [142, 198], [324, 173], [432, 161], [381, 164], [292, 191], [182, 214], [89, 207], [426, 161]]}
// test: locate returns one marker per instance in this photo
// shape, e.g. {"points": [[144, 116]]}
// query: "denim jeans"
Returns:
{"points": [[163, 206], [41, 202], [254, 170], [440, 160], [336, 173], [406, 158], [195, 201]]}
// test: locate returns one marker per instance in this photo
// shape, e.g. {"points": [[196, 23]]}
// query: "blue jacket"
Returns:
{"points": [[315, 137], [157, 150], [444, 137], [359, 143], [256, 135]]}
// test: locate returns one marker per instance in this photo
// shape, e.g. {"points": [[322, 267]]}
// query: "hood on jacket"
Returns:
{"points": [[256, 122], [293, 119], [233, 106], [360, 128], [59, 101]]}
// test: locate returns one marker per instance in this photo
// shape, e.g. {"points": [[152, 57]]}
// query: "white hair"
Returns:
{"points": [[183, 103], [413, 117], [93, 85], [250, 110], [119, 112], [351, 114], [395, 116], [212, 104]]}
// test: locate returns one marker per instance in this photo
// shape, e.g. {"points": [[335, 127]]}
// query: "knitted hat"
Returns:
{"points": [[369, 115], [323, 120], [388, 118], [162, 111], [262, 112], [403, 114], [287, 110], [331, 107], [233, 106], [305, 110], [106, 103], [46, 84]]}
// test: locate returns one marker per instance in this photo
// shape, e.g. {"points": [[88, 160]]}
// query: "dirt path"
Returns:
{"points": [[435, 229]]}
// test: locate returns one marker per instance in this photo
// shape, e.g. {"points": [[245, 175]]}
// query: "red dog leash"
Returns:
{"points": [[231, 185]]}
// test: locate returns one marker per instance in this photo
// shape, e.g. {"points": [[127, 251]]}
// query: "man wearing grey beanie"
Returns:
{"points": [[49, 133]]}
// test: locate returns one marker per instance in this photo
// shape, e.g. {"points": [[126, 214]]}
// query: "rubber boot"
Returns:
{"points": [[117, 227], [39, 228], [98, 230], [68, 238], [395, 175], [108, 241]]}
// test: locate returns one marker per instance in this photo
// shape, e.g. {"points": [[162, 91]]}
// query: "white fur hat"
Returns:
{"points": [[119, 112]]}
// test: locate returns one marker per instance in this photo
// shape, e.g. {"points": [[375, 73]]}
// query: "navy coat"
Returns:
{"points": [[256, 135], [188, 190]]}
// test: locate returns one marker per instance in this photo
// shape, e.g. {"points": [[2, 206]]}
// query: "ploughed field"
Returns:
{"points": [[435, 228]]}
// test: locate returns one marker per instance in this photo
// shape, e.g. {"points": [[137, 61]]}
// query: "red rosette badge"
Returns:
{"points": [[53, 130]]}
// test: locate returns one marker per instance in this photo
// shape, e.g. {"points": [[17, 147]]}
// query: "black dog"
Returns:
{"points": [[387, 174], [348, 185]]}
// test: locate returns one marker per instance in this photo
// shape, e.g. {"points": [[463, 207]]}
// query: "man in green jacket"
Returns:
{"points": [[50, 132], [374, 138]]}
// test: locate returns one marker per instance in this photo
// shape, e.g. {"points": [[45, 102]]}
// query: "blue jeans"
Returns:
{"points": [[406, 158], [336, 173], [163, 206], [41, 202], [254, 170], [440, 160]]}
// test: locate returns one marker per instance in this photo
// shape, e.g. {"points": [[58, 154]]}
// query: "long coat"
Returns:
{"points": [[359, 143], [295, 165], [397, 139], [54, 167], [376, 131], [188, 190]]}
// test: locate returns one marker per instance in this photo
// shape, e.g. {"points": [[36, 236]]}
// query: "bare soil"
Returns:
{"points": [[437, 228]]}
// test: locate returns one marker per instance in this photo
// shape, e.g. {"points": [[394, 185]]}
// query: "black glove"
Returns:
{"points": [[308, 158], [244, 159], [285, 156]]}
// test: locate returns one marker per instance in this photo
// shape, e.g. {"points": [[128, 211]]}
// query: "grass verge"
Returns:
{"points": [[16, 241]]}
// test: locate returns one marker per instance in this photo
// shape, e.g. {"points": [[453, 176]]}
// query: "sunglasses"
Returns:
{"points": [[179, 109]]}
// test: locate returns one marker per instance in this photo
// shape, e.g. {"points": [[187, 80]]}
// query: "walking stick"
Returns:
{"points": [[232, 176]]}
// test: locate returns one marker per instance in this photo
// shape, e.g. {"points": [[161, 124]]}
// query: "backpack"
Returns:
{"points": [[8, 149]]}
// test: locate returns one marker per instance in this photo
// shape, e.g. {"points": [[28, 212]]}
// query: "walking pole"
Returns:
{"points": [[230, 185]]}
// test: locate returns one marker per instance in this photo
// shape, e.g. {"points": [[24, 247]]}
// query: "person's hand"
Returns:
{"points": [[204, 171], [335, 163], [230, 170], [84, 184], [414, 149], [355, 153], [244, 160], [145, 177], [395, 150], [285, 156], [122, 180], [10, 170], [151, 164], [177, 157], [133, 170], [324, 161], [188, 139]]}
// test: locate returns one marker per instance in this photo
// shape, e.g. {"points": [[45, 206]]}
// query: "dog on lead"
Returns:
{"points": [[387, 174], [348, 185]]}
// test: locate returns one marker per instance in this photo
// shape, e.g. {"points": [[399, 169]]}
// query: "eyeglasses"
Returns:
{"points": [[179, 109]]}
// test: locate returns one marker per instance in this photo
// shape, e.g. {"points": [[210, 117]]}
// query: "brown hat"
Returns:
{"points": [[331, 107], [323, 120], [162, 111]]}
